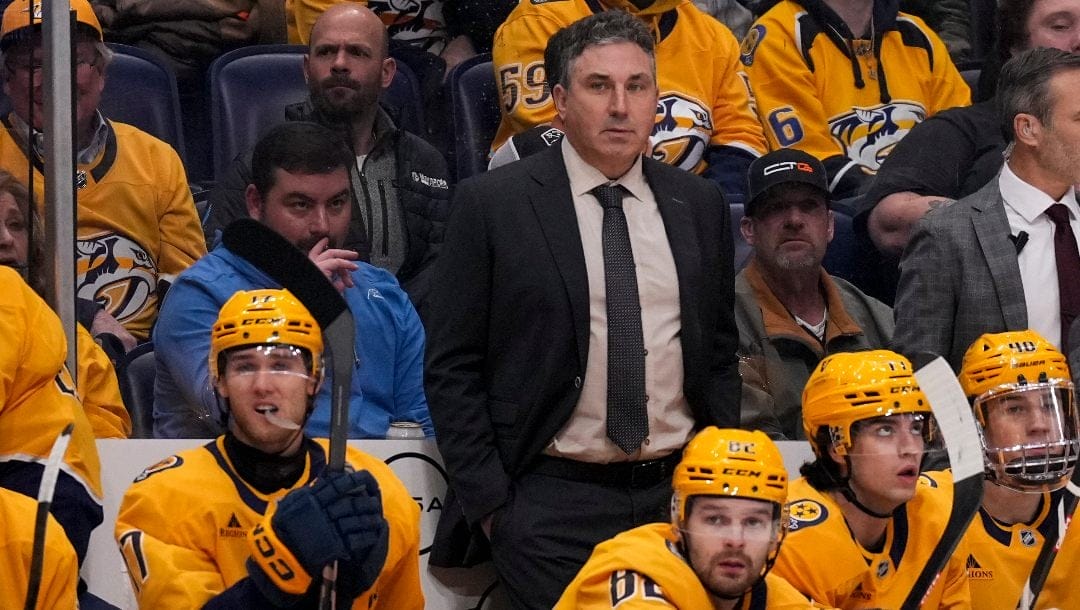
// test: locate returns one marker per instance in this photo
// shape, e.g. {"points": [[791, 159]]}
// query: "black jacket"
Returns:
{"points": [[423, 189]]}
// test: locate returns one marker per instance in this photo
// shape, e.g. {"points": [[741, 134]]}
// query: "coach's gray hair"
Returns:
{"points": [[1024, 85], [608, 27]]}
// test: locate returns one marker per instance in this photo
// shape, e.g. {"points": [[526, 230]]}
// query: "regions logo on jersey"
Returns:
{"points": [[682, 131], [173, 461], [976, 571], [116, 272], [868, 135], [750, 44], [232, 528], [805, 513]]}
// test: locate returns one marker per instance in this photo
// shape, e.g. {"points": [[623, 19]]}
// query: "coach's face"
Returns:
{"points": [[609, 108]]}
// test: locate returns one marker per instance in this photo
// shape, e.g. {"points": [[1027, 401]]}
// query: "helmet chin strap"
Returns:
{"points": [[849, 493]]}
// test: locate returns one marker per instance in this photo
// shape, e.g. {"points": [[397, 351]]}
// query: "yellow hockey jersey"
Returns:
{"points": [[847, 101], [703, 100], [643, 568], [37, 400], [136, 221], [1000, 558], [60, 569], [857, 578], [98, 389], [183, 527]]}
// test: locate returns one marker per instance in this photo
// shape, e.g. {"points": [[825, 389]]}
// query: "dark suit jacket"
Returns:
{"points": [[508, 330], [959, 278]]}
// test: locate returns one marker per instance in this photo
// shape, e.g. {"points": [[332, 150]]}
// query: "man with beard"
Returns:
{"points": [[791, 313], [400, 194], [728, 520], [299, 188]]}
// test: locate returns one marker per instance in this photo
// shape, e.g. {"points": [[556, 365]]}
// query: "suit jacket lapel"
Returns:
{"points": [[992, 230], [553, 205], [682, 237]]}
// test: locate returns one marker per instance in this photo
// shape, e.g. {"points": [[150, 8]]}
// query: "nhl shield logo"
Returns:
{"points": [[1027, 538]]}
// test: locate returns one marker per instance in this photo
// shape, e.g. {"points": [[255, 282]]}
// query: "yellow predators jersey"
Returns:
{"points": [[98, 389], [642, 568], [811, 95], [183, 527], [136, 221], [60, 568], [703, 100], [823, 561], [1000, 558]]}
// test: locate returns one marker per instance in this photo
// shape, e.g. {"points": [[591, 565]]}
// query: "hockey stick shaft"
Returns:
{"points": [[46, 490], [957, 425], [1048, 553], [284, 263]]}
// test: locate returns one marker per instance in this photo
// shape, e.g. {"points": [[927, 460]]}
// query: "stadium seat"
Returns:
{"points": [[140, 90], [742, 249], [250, 88], [136, 372], [840, 258], [474, 104]]}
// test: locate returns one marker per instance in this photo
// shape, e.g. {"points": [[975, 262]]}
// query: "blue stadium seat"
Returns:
{"points": [[742, 249], [840, 258], [140, 90], [250, 88], [474, 104], [136, 372]]}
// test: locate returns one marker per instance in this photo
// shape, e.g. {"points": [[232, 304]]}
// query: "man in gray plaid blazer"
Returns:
{"points": [[988, 262]]}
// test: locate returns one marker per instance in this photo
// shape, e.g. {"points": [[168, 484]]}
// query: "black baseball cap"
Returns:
{"points": [[781, 167]]}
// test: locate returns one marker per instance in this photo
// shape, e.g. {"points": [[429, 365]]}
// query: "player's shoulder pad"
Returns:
{"points": [[804, 513], [173, 461], [750, 44]]}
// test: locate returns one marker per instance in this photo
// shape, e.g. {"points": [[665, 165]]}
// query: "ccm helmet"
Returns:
{"points": [[849, 387], [261, 317], [1023, 400]]}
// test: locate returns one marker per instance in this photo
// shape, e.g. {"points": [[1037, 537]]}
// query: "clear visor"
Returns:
{"points": [[250, 363], [1029, 435], [916, 432]]}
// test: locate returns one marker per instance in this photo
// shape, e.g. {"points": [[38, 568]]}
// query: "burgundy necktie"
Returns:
{"points": [[1068, 268]]}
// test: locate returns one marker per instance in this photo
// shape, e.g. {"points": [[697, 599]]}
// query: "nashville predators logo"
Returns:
{"points": [[868, 135], [116, 272], [682, 131], [411, 19], [805, 513]]}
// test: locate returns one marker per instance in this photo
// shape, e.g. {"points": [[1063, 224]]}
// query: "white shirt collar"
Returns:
{"points": [[584, 177]]}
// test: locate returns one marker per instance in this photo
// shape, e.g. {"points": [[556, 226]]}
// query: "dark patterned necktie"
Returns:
{"points": [[1068, 268], [627, 419]]}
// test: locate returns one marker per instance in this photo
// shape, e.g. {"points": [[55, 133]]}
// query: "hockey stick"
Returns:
{"points": [[1065, 509], [41, 519], [275, 256], [957, 425]]}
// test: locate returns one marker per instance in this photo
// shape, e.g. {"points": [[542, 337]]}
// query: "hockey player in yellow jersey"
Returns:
{"points": [[1025, 408], [728, 520], [136, 223], [704, 122], [60, 568], [862, 521], [249, 520], [37, 400], [846, 80]]}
